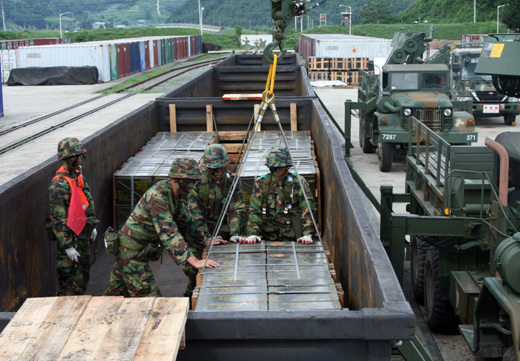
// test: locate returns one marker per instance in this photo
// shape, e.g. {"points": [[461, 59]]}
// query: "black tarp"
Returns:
{"points": [[54, 75]]}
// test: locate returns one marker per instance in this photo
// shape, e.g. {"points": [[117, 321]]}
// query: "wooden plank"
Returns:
{"points": [[122, 340], [164, 330], [173, 118], [89, 333], [242, 96], [209, 118], [294, 117], [230, 136], [256, 110], [18, 333], [54, 331], [233, 147]]}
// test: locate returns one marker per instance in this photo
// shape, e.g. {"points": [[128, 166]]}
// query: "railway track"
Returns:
{"points": [[144, 85]]}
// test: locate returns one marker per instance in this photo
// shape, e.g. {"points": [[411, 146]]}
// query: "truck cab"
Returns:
{"points": [[419, 90], [479, 88]]}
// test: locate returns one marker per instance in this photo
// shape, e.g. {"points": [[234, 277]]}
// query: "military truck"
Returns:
{"points": [[478, 88], [464, 224], [420, 90], [407, 87]]}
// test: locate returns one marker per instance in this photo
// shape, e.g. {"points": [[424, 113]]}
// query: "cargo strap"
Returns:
{"points": [[126, 241]]}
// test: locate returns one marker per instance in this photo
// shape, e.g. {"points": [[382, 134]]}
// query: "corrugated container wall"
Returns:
{"points": [[343, 46], [113, 58], [67, 55]]}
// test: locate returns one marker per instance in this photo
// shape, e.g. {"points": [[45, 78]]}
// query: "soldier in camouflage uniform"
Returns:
{"points": [[206, 201], [72, 223], [160, 219], [278, 207]]}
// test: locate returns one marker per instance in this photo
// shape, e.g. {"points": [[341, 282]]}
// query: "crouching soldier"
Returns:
{"points": [[206, 202], [278, 207], [160, 219], [72, 222]]}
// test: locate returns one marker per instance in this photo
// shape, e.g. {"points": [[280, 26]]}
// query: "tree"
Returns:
{"points": [[238, 34], [511, 16], [376, 13]]}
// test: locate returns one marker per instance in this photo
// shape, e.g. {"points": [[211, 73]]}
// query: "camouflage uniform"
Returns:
{"points": [[206, 201], [159, 214], [280, 212], [72, 277]]}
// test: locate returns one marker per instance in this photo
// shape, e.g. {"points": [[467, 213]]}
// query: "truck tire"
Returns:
{"points": [[438, 311], [364, 139], [510, 118], [418, 256], [386, 155]]}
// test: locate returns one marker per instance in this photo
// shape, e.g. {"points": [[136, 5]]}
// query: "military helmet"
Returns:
{"points": [[70, 147], [183, 167], [278, 157], [215, 156]]}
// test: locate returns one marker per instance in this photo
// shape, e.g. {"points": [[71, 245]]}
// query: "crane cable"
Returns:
{"points": [[267, 101]]}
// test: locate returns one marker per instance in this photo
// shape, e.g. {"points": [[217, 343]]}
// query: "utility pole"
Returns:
{"points": [[3, 17]]}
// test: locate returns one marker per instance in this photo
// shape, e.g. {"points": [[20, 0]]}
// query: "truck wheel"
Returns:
{"points": [[418, 256], [438, 311], [386, 155], [364, 139], [510, 118]]}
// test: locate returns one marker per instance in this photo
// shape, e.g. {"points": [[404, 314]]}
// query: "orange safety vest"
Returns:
{"points": [[76, 218]]}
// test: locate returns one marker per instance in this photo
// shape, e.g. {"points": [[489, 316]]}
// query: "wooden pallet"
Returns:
{"points": [[333, 75], [337, 64], [96, 328]]}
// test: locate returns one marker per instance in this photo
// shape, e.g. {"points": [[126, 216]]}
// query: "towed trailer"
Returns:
{"points": [[375, 313]]}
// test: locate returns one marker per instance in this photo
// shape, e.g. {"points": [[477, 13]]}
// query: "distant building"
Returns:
{"points": [[98, 25]]}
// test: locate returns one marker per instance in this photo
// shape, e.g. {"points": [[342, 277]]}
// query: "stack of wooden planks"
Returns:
{"points": [[345, 70], [96, 328]]}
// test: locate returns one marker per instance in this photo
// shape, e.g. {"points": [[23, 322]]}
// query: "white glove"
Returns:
{"points": [[73, 254], [93, 236], [305, 239], [252, 239], [238, 239]]}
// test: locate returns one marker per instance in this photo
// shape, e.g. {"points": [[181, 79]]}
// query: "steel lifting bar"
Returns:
{"points": [[296, 258]]}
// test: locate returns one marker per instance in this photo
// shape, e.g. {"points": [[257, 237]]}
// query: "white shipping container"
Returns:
{"points": [[349, 46], [8, 63], [81, 54]]}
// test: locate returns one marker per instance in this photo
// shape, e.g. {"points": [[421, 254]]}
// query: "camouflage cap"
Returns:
{"points": [[183, 167], [215, 156], [278, 157], [70, 147]]}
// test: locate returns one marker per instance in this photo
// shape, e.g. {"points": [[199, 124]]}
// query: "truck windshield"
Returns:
{"points": [[469, 63], [433, 80], [406, 81]]}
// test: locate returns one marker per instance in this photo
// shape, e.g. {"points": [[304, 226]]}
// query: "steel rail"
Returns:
{"points": [[184, 68], [50, 115], [52, 128]]}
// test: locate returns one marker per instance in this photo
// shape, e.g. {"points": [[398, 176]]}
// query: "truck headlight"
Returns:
{"points": [[447, 112], [464, 99], [407, 112]]}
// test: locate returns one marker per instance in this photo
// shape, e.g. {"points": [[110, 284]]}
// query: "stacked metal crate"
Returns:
{"points": [[270, 276], [151, 165], [302, 150]]}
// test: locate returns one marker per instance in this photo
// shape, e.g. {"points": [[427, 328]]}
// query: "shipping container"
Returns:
{"points": [[8, 62], [375, 314], [83, 54], [342, 46]]}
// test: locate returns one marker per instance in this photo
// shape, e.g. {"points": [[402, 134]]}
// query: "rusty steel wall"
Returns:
{"points": [[27, 257]]}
